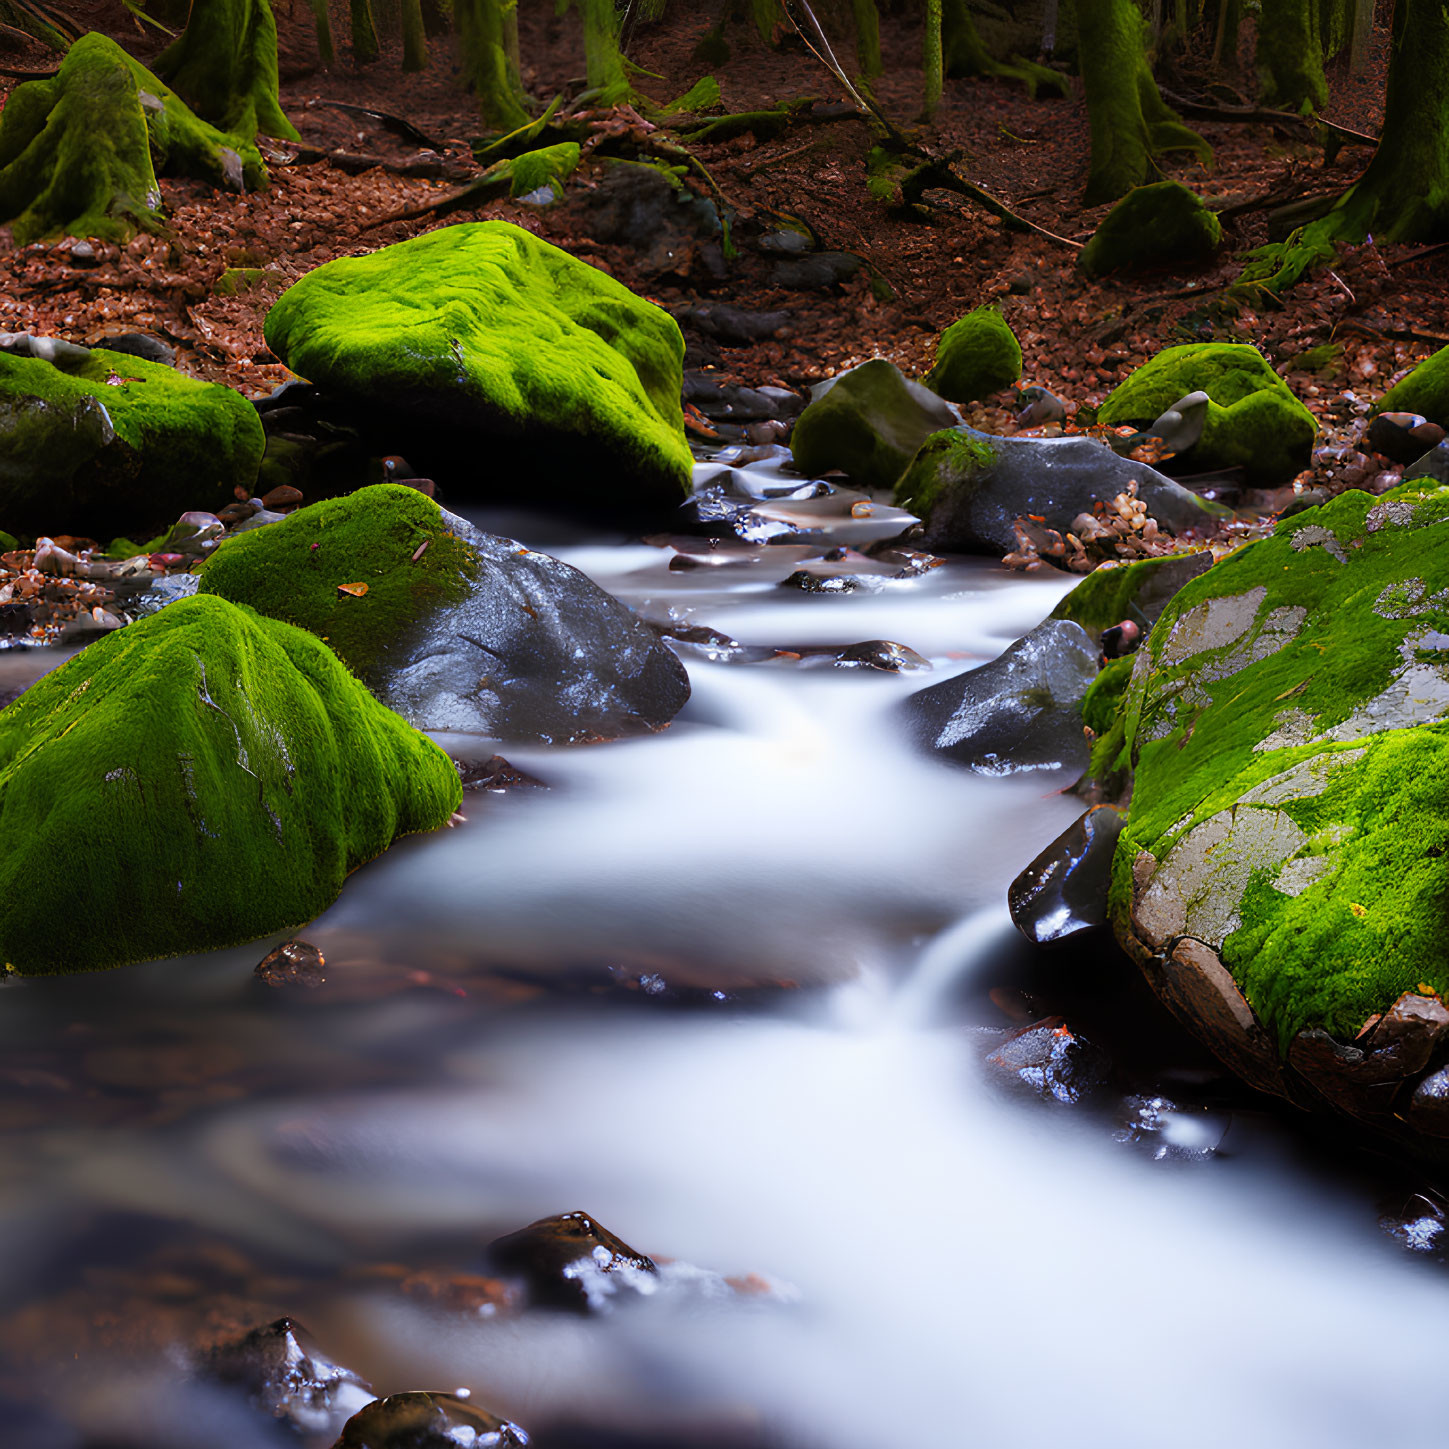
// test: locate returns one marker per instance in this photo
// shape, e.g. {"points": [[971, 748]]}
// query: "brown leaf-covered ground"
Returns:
{"points": [[1386, 306]]}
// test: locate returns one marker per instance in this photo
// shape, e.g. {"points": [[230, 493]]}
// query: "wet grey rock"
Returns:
{"points": [[144, 345], [817, 273], [293, 963], [288, 1377], [732, 324], [165, 591], [1051, 1061], [428, 1420], [15, 619], [1020, 712], [536, 651], [570, 1261], [496, 775], [1418, 1226], [1063, 892], [1433, 464], [1170, 1133], [730, 403], [1403, 437], [868, 423], [882, 654], [971, 487], [667, 228], [48, 349]]}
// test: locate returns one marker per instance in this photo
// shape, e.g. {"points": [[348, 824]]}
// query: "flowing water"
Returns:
{"points": [[725, 988]]}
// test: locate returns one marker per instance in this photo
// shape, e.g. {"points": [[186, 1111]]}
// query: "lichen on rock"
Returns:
{"points": [[513, 361], [977, 355], [196, 780], [1254, 422], [1158, 225], [102, 442]]}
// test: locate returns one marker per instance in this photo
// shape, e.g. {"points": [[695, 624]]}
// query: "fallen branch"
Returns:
{"points": [[396, 124], [1200, 110]]}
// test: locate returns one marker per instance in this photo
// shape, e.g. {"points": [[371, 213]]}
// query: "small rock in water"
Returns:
{"points": [[881, 654], [293, 963], [428, 1420], [569, 1261], [494, 773], [1064, 890], [1050, 1061], [1171, 1133], [1419, 1226], [1403, 437], [287, 1376]]}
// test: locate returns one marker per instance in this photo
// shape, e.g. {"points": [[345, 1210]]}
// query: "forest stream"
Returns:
{"points": [[731, 989]]}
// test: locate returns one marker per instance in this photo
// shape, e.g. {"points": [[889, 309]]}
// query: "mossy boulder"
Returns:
{"points": [[1425, 390], [868, 423], [195, 780], [977, 355], [1254, 422], [1284, 869], [969, 487], [1137, 591], [80, 152], [454, 628], [1164, 224], [102, 443], [501, 363]]}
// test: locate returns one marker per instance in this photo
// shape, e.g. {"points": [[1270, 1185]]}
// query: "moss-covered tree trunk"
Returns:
{"points": [[224, 66], [867, 37], [322, 19], [364, 33], [766, 15], [602, 57], [1129, 121], [488, 33], [1290, 55], [414, 36], [1225, 38], [931, 57]]}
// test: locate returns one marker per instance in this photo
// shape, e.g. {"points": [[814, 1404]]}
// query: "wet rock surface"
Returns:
{"points": [[428, 1420], [570, 1261], [1064, 890], [1021, 712], [1050, 1060]]}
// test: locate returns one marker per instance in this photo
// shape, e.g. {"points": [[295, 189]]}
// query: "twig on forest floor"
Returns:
{"points": [[1202, 111], [396, 124], [1420, 254]]}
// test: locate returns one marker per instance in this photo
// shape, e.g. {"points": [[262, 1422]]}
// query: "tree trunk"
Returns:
{"points": [[224, 66], [867, 37], [1128, 120], [1290, 56], [414, 36], [766, 14], [322, 18], [604, 63], [1225, 44], [364, 36], [931, 58], [487, 31]]}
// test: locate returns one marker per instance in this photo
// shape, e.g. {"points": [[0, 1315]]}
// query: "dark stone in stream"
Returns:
{"points": [[428, 1420], [1020, 712], [971, 487], [1064, 890], [569, 1261], [1049, 1060], [15, 618], [1403, 437], [293, 963], [494, 773], [1432, 464], [1169, 1133], [288, 1377], [1418, 1225], [140, 344], [882, 654]]}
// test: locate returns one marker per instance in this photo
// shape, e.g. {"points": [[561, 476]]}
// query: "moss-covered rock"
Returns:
{"points": [[523, 372], [868, 422], [1425, 390], [200, 778], [103, 443], [1153, 226], [1137, 591], [80, 152], [1285, 865], [1254, 422], [970, 487], [977, 355], [225, 64], [453, 628]]}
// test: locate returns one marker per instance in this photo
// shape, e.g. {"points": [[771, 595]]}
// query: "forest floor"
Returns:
{"points": [[1385, 307]]}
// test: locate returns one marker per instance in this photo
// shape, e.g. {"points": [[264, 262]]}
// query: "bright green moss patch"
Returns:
{"points": [[948, 459], [977, 355], [1285, 725], [483, 329], [703, 95], [1254, 422], [97, 446], [196, 780], [548, 166], [1158, 225], [1425, 390], [1136, 591], [388, 537], [1104, 695]]}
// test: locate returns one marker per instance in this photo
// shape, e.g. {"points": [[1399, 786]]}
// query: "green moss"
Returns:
{"points": [[1425, 390], [703, 95], [292, 570], [1158, 225], [8, 541], [1337, 593], [93, 447], [977, 355], [948, 459], [1290, 56], [1103, 701], [196, 780], [236, 280], [548, 166], [486, 328], [1254, 422]]}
